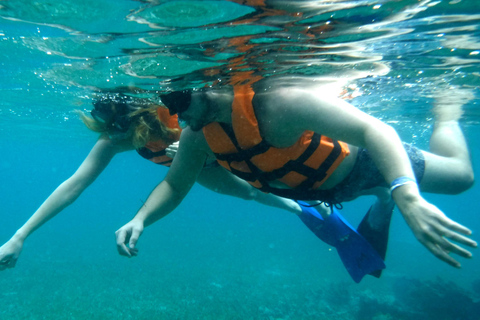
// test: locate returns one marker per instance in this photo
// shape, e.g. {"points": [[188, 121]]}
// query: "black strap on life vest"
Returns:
{"points": [[321, 172], [305, 190], [241, 155]]}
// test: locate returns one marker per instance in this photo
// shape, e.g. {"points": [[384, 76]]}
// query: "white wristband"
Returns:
{"points": [[400, 182]]}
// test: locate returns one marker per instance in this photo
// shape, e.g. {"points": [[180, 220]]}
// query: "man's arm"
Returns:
{"points": [[292, 111], [185, 168]]}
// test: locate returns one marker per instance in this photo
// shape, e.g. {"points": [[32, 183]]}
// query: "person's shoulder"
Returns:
{"points": [[276, 102], [192, 147], [193, 139], [107, 145], [277, 94]]}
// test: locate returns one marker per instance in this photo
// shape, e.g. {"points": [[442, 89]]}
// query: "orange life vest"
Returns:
{"points": [[240, 148], [155, 150]]}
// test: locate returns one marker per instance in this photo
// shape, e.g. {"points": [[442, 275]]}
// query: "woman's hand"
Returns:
{"points": [[172, 149], [9, 253]]}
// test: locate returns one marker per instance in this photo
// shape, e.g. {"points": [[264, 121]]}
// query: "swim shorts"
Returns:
{"points": [[365, 175]]}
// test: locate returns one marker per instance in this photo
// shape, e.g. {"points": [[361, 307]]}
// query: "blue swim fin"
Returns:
{"points": [[357, 255], [378, 239]]}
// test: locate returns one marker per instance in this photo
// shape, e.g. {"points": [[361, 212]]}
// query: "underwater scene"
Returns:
{"points": [[218, 256]]}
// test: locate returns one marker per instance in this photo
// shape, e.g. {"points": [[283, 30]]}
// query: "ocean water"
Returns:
{"points": [[218, 257]]}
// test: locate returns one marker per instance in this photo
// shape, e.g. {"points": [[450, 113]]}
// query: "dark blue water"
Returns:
{"points": [[217, 257]]}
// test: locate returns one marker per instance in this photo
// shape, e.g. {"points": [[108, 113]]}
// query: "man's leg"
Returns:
{"points": [[375, 225], [448, 168], [381, 211]]}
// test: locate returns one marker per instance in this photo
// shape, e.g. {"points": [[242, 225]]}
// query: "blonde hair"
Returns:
{"points": [[145, 126]]}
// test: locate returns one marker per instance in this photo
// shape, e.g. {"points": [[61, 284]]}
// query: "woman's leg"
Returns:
{"points": [[448, 168], [221, 181]]}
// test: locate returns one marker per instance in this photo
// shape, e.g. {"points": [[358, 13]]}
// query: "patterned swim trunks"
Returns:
{"points": [[365, 175]]}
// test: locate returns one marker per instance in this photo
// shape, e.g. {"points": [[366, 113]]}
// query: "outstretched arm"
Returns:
{"points": [[341, 121], [431, 226], [65, 194], [186, 166]]}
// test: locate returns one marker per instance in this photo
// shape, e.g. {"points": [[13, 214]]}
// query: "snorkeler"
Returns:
{"points": [[127, 123], [304, 144]]}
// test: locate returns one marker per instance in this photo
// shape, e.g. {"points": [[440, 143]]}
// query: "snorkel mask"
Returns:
{"points": [[177, 101], [113, 111]]}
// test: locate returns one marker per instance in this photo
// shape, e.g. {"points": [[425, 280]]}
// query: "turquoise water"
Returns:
{"points": [[218, 257]]}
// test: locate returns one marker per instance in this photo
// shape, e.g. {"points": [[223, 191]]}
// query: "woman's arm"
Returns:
{"points": [[65, 194]]}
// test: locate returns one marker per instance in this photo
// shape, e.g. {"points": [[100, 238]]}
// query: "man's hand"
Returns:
{"points": [[9, 253], [128, 234], [434, 229]]}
